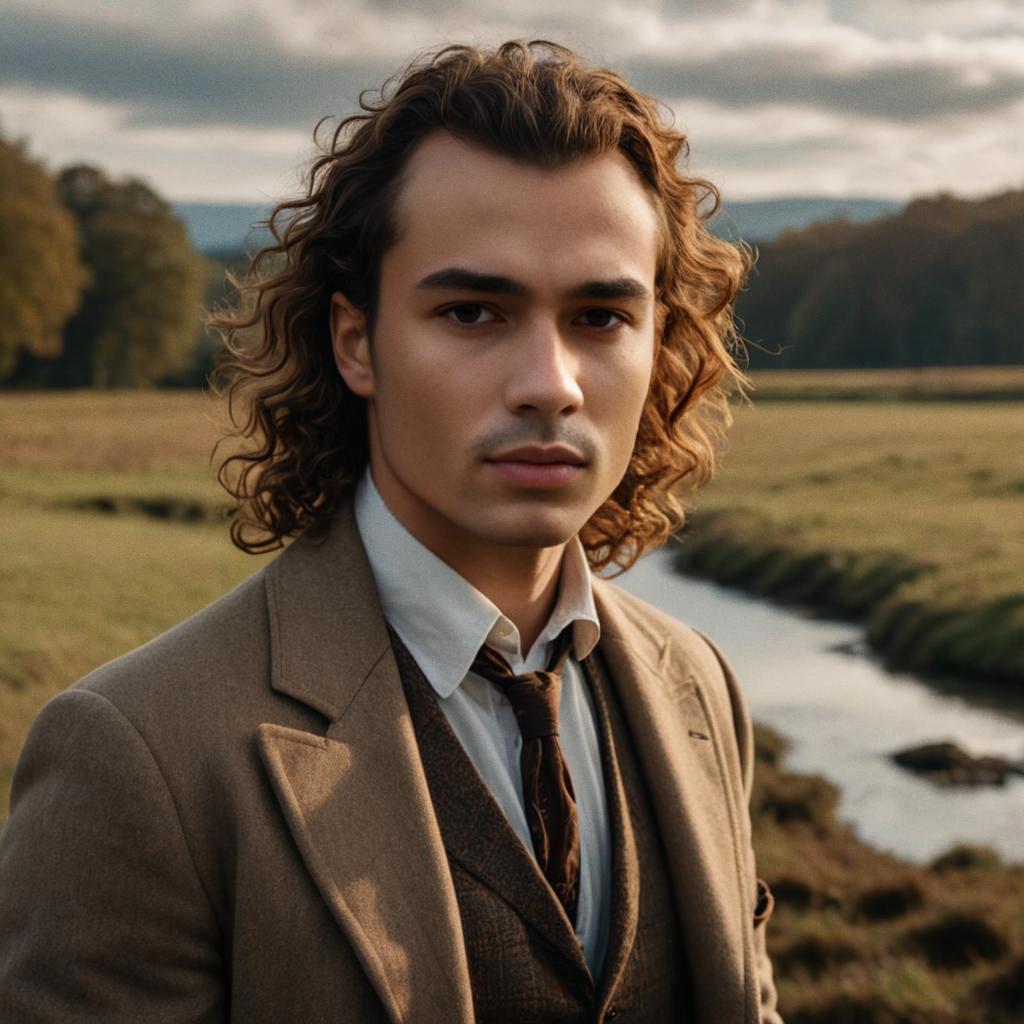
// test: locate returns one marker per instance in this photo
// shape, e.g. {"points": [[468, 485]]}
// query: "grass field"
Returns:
{"points": [[908, 514], [112, 530], [922, 384], [79, 586]]}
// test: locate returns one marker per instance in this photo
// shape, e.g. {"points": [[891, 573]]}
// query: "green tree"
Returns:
{"points": [[935, 285], [139, 317], [41, 275]]}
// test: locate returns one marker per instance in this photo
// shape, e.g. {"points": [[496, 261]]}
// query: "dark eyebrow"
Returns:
{"points": [[463, 279], [615, 288], [460, 279]]}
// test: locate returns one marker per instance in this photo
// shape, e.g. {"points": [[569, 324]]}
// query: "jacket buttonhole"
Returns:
{"points": [[697, 735]]}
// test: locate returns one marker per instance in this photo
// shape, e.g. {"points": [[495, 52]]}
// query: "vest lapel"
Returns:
{"points": [[476, 832], [355, 797], [625, 864], [678, 751]]}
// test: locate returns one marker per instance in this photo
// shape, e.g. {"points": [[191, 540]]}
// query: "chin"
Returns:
{"points": [[533, 532]]}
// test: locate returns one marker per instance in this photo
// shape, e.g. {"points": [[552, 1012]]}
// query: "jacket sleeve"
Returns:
{"points": [[761, 898], [102, 913]]}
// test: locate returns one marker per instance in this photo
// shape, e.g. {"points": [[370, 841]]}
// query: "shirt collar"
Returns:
{"points": [[442, 618]]}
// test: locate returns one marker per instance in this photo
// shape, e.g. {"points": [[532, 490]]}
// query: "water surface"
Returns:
{"points": [[814, 681]]}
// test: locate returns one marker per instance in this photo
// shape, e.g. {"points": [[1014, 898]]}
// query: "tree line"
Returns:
{"points": [[934, 285], [100, 284]]}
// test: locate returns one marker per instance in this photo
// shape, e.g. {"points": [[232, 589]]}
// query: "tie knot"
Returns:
{"points": [[534, 698]]}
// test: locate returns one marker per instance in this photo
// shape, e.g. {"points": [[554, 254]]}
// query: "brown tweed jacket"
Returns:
{"points": [[232, 822]]}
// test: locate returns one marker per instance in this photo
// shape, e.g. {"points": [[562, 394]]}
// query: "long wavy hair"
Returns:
{"points": [[300, 435]]}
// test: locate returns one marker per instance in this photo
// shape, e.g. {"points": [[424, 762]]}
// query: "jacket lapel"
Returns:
{"points": [[680, 755], [355, 797]]}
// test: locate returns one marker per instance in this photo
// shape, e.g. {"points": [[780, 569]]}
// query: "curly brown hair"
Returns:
{"points": [[303, 434]]}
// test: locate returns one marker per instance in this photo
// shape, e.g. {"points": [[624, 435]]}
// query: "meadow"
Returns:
{"points": [[114, 528], [904, 511]]}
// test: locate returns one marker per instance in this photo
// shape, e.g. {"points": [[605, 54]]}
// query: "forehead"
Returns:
{"points": [[461, 204]]}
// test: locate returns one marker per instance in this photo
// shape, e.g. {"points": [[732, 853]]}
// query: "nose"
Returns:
{"points": [[544, 373]]}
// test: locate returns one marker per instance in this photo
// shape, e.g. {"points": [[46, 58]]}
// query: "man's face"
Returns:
{"points": [[513, 347]]}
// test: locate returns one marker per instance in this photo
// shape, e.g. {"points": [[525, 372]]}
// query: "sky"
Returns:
{"points": [[216, 100]]}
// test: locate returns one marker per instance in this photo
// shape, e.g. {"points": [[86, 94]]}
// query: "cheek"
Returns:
{"points": [[626, 386], [423, 406], [631, 393]]}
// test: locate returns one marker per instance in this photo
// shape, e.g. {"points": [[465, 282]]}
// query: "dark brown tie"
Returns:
{"points": [[547, 787]]}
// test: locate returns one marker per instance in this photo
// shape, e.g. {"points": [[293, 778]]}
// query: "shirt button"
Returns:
{"points": [[613, 1012]]}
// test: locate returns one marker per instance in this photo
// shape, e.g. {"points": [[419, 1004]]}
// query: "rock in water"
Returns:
{"points": [[948, 764]]}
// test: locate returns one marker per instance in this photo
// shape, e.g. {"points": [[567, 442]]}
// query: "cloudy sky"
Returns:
{"points": [[216, 99]]}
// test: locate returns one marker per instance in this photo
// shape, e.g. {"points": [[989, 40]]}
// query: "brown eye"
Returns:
{"points": [[601, 318], [469, 314]]}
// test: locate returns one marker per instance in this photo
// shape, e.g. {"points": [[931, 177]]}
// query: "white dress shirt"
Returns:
{"points": [[444, 620]]}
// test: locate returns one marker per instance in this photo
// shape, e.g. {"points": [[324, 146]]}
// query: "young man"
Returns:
{"points": [[425, 766]]}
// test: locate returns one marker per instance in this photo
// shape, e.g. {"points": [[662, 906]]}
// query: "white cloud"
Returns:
{"points": [[222, 163], [791, 151], [793, 96], [952, 17]]}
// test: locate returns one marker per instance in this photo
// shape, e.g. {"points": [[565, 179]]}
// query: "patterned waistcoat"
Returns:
{"points": [[526, 965]]}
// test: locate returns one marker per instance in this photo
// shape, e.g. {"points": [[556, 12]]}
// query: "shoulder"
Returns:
{"points": [[169, 724], [673, 642], [683, 656], [193, 696], [223, 641]]}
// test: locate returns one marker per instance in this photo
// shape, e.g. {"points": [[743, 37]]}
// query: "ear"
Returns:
{"points": [[350, 341]]}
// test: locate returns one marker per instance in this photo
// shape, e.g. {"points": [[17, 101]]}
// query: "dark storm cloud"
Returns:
{"points": [[239, 72], [234, 74], [890, 90]]}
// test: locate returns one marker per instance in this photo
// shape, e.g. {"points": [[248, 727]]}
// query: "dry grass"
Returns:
{"points": [[940, 482], [121, 431], [79, 587], [930, 383], [858, 935], [935, 487]]}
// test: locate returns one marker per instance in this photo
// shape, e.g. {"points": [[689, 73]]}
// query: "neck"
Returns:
{"points": [[522, 582]]}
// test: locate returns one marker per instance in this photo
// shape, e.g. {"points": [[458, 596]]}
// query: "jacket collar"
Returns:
{"points": [[327, 630]]}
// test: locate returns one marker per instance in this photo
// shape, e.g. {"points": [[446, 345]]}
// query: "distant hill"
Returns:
{"points": [[764, 220], [222, 227]]}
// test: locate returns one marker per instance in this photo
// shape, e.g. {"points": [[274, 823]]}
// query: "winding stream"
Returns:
{"points": [[815, 682]]}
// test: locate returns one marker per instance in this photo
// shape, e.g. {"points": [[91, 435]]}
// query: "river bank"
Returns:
{"points": [[845, 715], [906, 516], [911, 615], [859, 935]]}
